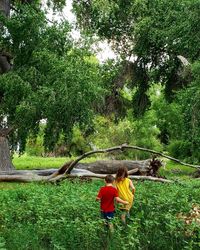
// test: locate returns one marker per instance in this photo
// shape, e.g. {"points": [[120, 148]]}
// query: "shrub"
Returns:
{"points": [[66, 216], [141, 132]]}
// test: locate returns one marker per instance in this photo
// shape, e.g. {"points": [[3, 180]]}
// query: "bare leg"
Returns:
{"points": [[111, 227], [123, 218]]}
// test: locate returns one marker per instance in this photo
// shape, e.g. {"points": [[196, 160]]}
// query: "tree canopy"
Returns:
{"points": [[53, 79], [49, 77], [150, 33]]}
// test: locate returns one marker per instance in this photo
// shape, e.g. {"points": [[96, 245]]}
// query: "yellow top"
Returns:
{"points": [[123, 187]]}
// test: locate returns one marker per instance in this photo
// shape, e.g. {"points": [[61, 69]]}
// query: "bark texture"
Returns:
{"points": [[5, 7], [111, 166], [5, 64], [43, 176], [5, 160]]}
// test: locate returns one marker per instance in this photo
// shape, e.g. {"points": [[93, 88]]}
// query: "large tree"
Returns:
{"points": [[52, 79], [187, 145], [152, 33]]}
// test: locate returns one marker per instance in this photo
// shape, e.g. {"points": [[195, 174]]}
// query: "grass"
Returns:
{"points": [[10, 186], [175, 170], [34, 162]]}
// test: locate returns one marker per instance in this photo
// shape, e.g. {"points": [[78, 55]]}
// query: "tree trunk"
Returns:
{"points": [[5, 7], [5, 159], [82, 174], [111, 167], [5, 64]]}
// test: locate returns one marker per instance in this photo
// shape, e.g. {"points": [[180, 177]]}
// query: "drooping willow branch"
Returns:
{"points": [[122, 148]]}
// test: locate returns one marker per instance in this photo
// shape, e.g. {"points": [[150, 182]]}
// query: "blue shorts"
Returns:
{"points": [[107, 215]]}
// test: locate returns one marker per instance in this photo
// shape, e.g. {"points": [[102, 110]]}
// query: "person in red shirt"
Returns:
{"points": [[107, 196]]}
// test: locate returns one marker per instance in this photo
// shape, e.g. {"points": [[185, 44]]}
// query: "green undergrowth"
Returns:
{"points": [[66, 216]]}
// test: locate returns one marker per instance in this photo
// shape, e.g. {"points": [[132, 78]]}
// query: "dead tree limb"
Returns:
{"points": [[22, 178], [121, 148], [102, 176], [36, 178], [67, 168]]}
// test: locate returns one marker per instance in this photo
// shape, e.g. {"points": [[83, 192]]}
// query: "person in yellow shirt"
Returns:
{"points": [[126, 191]]}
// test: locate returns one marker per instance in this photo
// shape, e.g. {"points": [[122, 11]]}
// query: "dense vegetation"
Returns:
{"points": [[148, 96], [57, 99], [66, 216]]}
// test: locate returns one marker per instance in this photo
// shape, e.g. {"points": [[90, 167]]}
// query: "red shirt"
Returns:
{"points": [[107, 195]]}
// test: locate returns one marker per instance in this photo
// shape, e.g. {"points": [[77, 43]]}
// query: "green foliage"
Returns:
{"points": [[79, 143], [168, 116], [188, 100], [141, 132], [175, 171], [153, 32], [179, 149], [179, 121], [55, 79], [52, 79], [66, 216], [34, 146], [57, 5], [151, 29]]}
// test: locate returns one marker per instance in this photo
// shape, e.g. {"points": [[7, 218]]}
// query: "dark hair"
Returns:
{"points": [[109, 178], [122, 172]]}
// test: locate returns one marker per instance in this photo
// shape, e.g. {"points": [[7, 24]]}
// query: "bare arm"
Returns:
{"points": [[132, 186], [121, 201], [98, 199]]}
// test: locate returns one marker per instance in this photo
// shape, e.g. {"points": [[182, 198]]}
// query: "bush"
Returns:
{"points": [[34, 147], [179, 149], [66, 216], [141, 132]]}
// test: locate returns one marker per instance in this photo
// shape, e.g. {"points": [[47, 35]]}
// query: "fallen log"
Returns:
{"points": [[111, 166], [143, 167], [40, 172], [99, 167], [102, 176], [42, 176], [22, 178], [121, 148]]}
